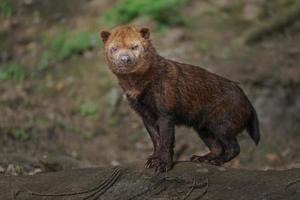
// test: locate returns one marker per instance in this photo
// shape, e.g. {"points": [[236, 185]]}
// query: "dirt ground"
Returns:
{"points": [[73, 114]]}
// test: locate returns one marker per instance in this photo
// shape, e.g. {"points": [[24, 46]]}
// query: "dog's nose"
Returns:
{"points": [[125, 59]]}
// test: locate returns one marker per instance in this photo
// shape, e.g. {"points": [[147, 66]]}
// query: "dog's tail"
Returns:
{"points": [[253, 126]]}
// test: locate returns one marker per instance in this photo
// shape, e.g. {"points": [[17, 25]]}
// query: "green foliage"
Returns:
{"points": [[20, 134], [45, 60], [6, 8], [65, 44], [202, 45], [88, 109], [12, 72], [88, 135], [165, 12]]}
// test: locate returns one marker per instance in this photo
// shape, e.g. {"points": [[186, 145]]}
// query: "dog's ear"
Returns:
{"points": [[104, 35], [145, 32]]}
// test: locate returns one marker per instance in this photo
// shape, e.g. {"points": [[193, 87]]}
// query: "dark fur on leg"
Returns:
{"points": [[166, 144], [212, 143]]}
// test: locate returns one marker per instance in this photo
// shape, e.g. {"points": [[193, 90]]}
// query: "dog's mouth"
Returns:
{"points": [[124, 68], [129, 64]]}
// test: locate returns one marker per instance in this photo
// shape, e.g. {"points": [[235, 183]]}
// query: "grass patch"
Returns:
{"points": [[6, 8], [65, 44], [12, 72], [20, 134], [164, 12], [88, 109], [88, 135], [202, 46], [46, 59]]}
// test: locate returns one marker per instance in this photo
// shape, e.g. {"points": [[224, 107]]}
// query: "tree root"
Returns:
{"points": [[97, 190], [277, 23], [197, 186]]}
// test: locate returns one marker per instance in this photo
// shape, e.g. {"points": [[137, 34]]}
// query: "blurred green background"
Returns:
{"points": [[61, 106]]}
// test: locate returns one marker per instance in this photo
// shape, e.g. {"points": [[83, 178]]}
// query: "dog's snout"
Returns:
{"points": [[125, 59]]}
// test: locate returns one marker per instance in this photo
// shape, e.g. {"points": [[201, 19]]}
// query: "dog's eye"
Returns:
{"points": [[113, 49], [135, 47]]}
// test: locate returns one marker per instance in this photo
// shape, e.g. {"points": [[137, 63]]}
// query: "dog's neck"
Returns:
{"points": [[134, 84]]}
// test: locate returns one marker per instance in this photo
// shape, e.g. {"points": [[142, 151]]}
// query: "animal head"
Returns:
{"points": [[127, 49]]}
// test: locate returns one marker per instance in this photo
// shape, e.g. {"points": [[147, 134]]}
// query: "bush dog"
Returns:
{"points": [[166, 93]]}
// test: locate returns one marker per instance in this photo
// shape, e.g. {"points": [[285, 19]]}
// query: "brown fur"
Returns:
{"points": [[166, 93]]}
